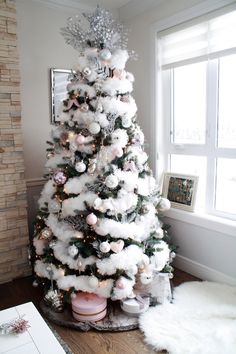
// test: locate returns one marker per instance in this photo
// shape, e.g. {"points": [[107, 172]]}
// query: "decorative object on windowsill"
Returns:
{"points": [[16, 326], [180, 190], [88, 307]]}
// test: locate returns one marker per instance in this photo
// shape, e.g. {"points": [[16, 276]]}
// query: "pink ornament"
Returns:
{"points": [[120, 284], [117, 151], [60, 177], [91, 219], [80, 139], [119, 74], [117, 246]]}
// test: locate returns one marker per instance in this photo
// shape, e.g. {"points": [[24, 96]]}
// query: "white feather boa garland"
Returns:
{"points": [[48, 190], [70, 205], [121, 204], [118, 230], [83, 283], [77, 185], [58, 159], [123, 260], [60, 251], [118, 108], [113, 86], [62, 230]]}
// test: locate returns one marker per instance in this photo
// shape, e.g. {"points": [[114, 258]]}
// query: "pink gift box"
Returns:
{"points": [[88, 307]]}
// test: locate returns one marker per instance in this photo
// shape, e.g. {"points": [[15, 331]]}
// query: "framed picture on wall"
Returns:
{"points": [[58, 81], [180, 190]]}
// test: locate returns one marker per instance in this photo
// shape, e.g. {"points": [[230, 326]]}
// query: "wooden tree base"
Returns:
{"points": [[115, 321]]}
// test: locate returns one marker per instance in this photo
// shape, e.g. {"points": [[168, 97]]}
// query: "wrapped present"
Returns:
{"points": [[160, 288], [135, 306], [88, 307]]}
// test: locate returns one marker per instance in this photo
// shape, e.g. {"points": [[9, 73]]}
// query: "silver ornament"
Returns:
{"points": [[52, 244], [72, 250], [80, 166], [45, 234], [54, 206], [84, 107], [59, 177], [99, 107], [86, 71], [105, 54], [35, 284], [73, 146], [49, 155], [53, 299], [92, 166]]}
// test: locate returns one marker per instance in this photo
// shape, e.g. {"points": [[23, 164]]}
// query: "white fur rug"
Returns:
{"points": [[201, 320]]}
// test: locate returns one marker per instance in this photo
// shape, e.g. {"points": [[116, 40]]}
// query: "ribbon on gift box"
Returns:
{"points": [[142, 301]]}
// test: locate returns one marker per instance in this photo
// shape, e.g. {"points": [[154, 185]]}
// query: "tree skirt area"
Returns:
{"points": [[201, 320]]}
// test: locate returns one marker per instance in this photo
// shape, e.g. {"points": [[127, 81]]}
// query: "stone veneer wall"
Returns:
{"points": [[13, 206]]}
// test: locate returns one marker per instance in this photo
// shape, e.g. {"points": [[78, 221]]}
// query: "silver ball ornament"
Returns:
{"points": [[105, 54], [72, 250], [86, 71], [80, 166], [54, 206], [45, 234], [84, 107], [94, 128]]}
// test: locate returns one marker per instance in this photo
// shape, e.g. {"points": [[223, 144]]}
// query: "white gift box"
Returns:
{"points": [[135, 306], [160, 288]]}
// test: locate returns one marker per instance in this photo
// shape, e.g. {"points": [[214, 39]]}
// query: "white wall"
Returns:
{"points": [[203, 252], [41, 47]]}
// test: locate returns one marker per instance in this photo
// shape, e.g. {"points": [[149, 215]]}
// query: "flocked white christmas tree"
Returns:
{"points": [[97, 229]]}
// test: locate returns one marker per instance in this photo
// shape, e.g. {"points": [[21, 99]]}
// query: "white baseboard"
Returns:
{"points": [[201, 271]]}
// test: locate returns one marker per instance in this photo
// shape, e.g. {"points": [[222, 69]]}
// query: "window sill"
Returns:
{"points": [[206, 221]]}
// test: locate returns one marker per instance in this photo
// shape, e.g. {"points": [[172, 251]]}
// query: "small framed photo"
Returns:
{"points": [[180, 190]]}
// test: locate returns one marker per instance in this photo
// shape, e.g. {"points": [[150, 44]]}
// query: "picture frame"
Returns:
{"points": [[58, 85], [181, 190]]}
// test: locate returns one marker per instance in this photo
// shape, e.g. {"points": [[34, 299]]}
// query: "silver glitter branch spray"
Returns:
{"points": [[103, 31]]}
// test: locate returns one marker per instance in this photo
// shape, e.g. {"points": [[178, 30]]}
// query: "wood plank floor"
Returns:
{"points": [[132, 342]]}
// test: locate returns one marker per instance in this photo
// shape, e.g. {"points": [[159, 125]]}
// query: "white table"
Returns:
{"points": [[37, 339]]}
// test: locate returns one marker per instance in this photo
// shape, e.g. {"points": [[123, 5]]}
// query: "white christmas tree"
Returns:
{"points": [[97, 229]]}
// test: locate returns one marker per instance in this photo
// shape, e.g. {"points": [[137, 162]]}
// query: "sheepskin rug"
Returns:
{"points": [[201, 320]]}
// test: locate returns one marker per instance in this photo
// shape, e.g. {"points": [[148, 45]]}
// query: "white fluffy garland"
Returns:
{"points": [[118, 230], [83, 283], [77, 185], [113, 86], [71, 204], [123, 260], [47, 192], [121, 204], [62, 230], [61, 253], [117, 108]]}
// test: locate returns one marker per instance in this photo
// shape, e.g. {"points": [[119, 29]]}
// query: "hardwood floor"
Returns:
{"points": [[132, 342]]}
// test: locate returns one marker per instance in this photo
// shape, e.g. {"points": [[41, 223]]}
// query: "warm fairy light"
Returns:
{"points": [[103, 284], [61, 272], [71, 135]]}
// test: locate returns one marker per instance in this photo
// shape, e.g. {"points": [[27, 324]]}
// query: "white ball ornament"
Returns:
{"points": [[94, 128], [105, 247], [164, 204], [91, 219], [72, 250], [111, 181], [105, 54], [80, 166], [126, 122], [93, 282]]}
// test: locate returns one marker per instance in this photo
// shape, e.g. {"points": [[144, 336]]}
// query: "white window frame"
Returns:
{"points": [[159, 147]]}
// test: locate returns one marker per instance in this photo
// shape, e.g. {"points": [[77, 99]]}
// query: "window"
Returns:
{"points": [[197, 72]]}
